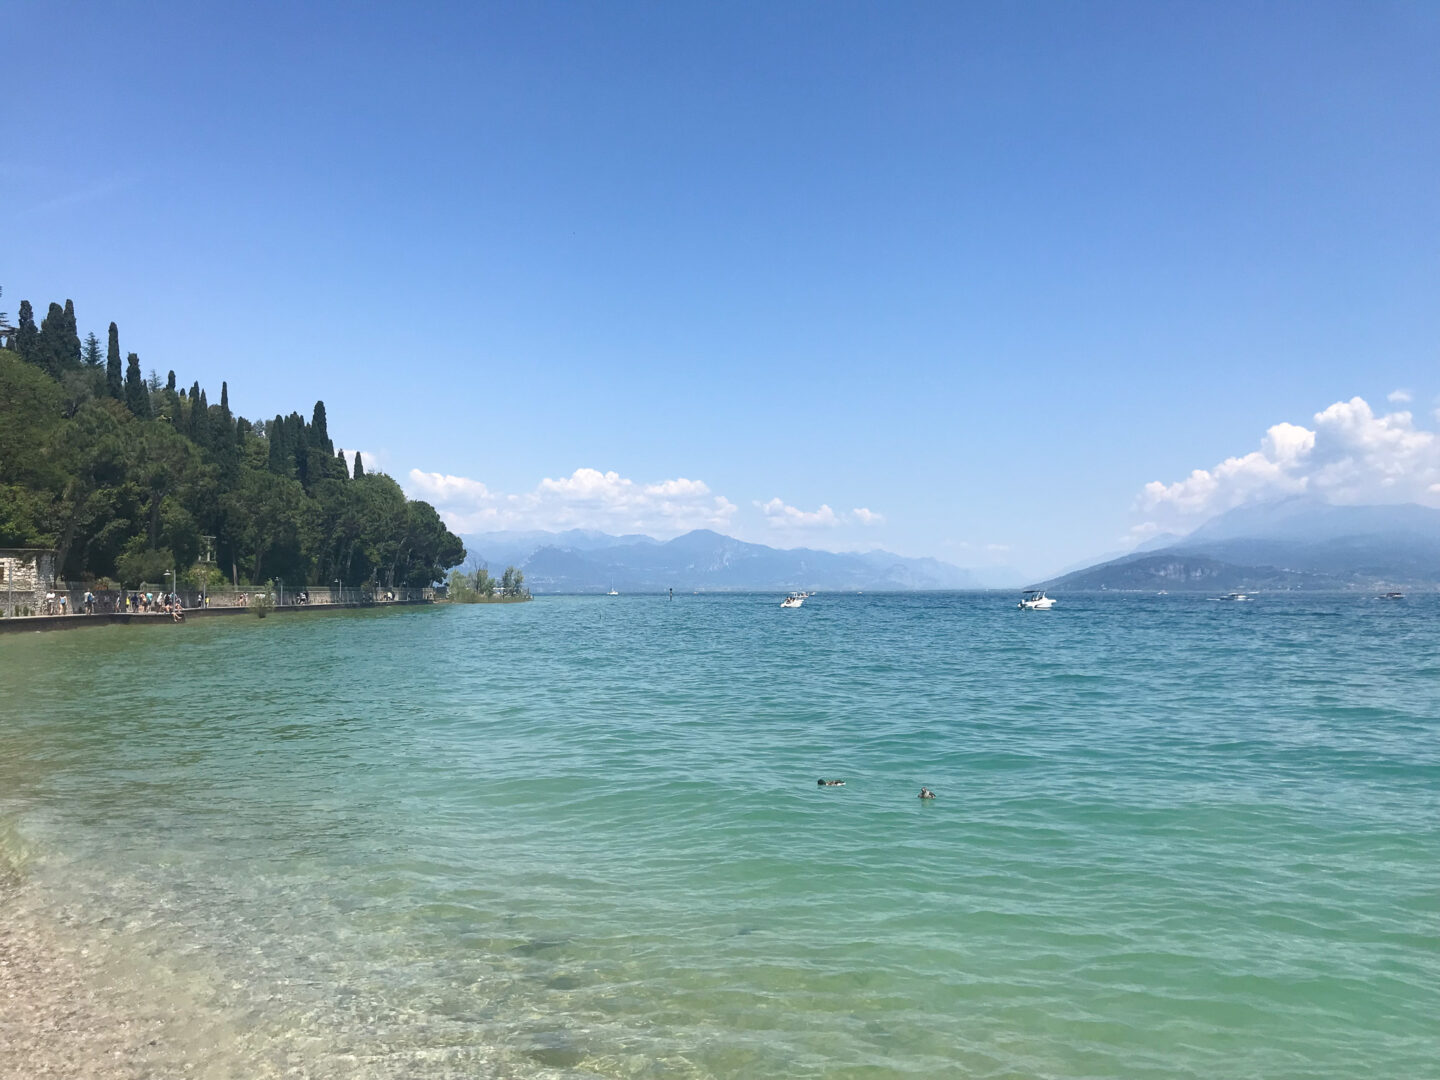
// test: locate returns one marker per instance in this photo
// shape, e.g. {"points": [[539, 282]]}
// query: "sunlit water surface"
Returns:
{"points": [[582, 837]]}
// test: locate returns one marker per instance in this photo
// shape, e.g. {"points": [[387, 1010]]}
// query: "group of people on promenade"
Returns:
{"points": [[129, 603]]}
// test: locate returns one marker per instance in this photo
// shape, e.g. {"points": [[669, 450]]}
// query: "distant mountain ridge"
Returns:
{"points": [[581, 561], [1296, 543]]}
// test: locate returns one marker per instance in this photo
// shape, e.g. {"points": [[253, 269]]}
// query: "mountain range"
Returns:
{"points": [[581, 561], [1295, 543]]}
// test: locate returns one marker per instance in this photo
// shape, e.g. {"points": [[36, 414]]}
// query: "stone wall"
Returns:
{"points": [[26, 575]]}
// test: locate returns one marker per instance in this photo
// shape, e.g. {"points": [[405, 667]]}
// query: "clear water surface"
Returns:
{"points": [[582, 837]]}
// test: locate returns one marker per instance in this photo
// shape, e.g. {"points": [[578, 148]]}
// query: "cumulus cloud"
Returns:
{"points": [[780, 514], [1350, 456], [866, 516], [586, 499], [1399, 397]]}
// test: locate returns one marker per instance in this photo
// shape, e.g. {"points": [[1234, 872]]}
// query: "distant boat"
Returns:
{"points": [[1035, 600], [1393, 596], [612, 591], [793, 600], [1238, 596]]}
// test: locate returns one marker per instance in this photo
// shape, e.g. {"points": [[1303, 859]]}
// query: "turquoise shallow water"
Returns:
{"points": [[582, 837]]}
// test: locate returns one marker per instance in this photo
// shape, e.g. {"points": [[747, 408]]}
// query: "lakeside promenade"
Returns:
{"points": [[36, 623]]}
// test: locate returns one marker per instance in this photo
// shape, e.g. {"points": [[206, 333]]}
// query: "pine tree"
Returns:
{"points": [[136, 399], [359, 467], [114, 385], [92, 355], [27, 338]]}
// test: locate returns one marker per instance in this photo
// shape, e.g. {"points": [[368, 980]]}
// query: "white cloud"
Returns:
{"points": [[1399, 397], [586, 499], [866, 516], [780, 514], [1351, 456]]}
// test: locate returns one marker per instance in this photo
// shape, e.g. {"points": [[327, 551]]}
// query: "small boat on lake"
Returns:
{"points": [[793, 600], [1035, 600], [1393, 596]]}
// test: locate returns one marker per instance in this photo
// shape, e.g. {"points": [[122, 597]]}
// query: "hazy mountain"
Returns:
{"points": [[595, 562], [1296, 543]]}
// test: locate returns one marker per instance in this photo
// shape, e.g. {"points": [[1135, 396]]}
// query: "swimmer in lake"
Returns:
{"points": [[926, 793], [830, 783]]}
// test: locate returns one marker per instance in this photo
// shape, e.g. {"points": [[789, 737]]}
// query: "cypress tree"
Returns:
{"points": [[199, 427], [359, 467], [72, 336], [136, 398], [225, 418], [279, 450], [92, 355], [114, 385], [27, 338], [300, 447], [319, 437], [344, 469], [170, 382], [53, 342]]}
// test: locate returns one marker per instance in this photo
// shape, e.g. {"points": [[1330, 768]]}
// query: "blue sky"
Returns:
{"points": [[982, 272]]}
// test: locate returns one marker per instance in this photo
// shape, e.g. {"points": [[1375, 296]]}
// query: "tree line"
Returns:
{"points": [[127, 476]]}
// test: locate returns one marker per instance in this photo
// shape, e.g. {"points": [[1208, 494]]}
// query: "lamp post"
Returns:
{"points": [[337, 593], [173, 583]]}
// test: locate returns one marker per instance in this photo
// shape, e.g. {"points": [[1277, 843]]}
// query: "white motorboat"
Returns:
{"points": [[1035, 600], [793, 600], [612, 592]]}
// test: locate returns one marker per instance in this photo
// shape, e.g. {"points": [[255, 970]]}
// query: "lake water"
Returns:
{"points": [[583, 838]]}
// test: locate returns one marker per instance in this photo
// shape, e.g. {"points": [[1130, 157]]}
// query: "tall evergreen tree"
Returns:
{"points": [[27, 337], [136, 397], [319, 436], [53, 342], [170, 382], [92, 355], [359, 466], [280, 457], [299, 446], [227, 421], [72, 336], [114, 381], [344, 470], [199, 425]]}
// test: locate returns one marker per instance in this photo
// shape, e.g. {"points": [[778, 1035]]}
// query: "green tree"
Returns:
{"points": [[114, 379], [319, 436], [92, 355], [137, 399], [27, 337], [359, 470], [72, 348], [58, 346]]}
